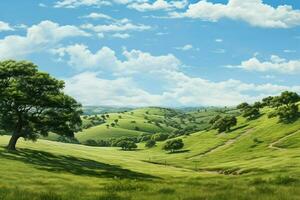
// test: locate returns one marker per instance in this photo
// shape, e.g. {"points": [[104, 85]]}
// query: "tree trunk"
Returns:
{"points": [[12, 142]]}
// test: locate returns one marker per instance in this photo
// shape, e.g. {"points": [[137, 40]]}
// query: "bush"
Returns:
{"points": [[150, 143], [160, 136], [127, 145], [173, 145], [225, 123], [91, 142], [288, 113]]}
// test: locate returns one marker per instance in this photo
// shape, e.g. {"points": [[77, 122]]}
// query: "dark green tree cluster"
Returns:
{"points": [[127, 145], [224, 123], [32, 103], [150, 143], [173, 145], [285, 106], [250, 111]]}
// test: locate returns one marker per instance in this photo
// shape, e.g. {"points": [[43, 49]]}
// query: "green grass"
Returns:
{"points": [[258, 159], [145, 120]]}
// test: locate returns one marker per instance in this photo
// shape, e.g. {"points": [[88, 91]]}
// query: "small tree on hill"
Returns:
{"points": [[243, 106], [214, 119], [225, 123], [251, 113], [127, 145], [150, 143], [33, 103], [286, 107], [173, 145], [288, 113]]}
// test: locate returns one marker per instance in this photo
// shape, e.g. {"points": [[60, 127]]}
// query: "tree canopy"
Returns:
{"points": [[33, 103], [173, 145], [225, 123]]}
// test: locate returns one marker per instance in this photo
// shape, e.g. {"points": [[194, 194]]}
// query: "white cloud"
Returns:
{"points": [[38, 37], [121, 35], [98, 16], [276, 64], [185, 47], [159, 5], [218, 40], [177, 88], [104, 59], [89, 89], [116, 27], [92, 3], [254, 12], [5, 26], [219, 51], [289, 51], [78, 3], [42, 5]]}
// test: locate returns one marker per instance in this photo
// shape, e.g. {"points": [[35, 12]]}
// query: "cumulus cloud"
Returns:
{"points": [[38, 37], [5, 26], [92, 3], [254, 12], [185, 47], [177, 88], [275, 64], [105, 59], [117, 27], [158, 5], [78, 3], [121, 35], [89, 89], [97, 16]]}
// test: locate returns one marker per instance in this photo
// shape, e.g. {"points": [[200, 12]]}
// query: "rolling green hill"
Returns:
{"points": [[258, 159], [149, 120]]}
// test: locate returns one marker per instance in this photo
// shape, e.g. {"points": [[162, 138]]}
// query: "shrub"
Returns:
{"points": [[160, 136], [173, 145], [150, 143]]}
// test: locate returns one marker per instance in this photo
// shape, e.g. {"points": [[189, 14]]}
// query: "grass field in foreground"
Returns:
{"points": [[258, 159]]}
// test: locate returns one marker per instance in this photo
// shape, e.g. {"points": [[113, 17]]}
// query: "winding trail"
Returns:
{"points": [[223, 145], [273, 144]]}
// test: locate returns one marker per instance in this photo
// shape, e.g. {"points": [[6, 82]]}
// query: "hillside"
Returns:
{"points": [[149, 120], [258, 158]]}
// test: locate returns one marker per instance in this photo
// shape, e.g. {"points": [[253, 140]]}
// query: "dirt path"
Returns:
{"points": [[223, 145], [273, 144]]}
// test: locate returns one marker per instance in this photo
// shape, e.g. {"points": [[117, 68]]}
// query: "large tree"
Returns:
{"points": [[32, 103]]}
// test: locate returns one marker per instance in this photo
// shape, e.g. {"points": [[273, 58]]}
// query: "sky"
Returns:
{"points": [[171, 53]]}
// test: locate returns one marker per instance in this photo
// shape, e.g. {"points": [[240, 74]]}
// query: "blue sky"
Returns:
{"points": [[158, 52]]}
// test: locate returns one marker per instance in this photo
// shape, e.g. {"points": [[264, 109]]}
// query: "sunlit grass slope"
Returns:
{"points": [[258, 159], [146, 120]]}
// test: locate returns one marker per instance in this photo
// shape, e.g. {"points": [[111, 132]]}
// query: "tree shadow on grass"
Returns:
{"points": [[179, 151], [239, 127], [70, 164]]}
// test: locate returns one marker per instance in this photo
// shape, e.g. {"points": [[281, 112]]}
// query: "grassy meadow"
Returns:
{"points": [[258, 159]]}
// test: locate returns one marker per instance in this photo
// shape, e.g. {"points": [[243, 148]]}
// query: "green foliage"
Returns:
{"points": [[160, 136], [286, 108], [243, 106], [65, 139], [214, 119], [225, 123], [127, 145], [251, 112], [173, 145], [267, 101], [32, 103], [288, 113], [91, 142], [150, 143]]}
